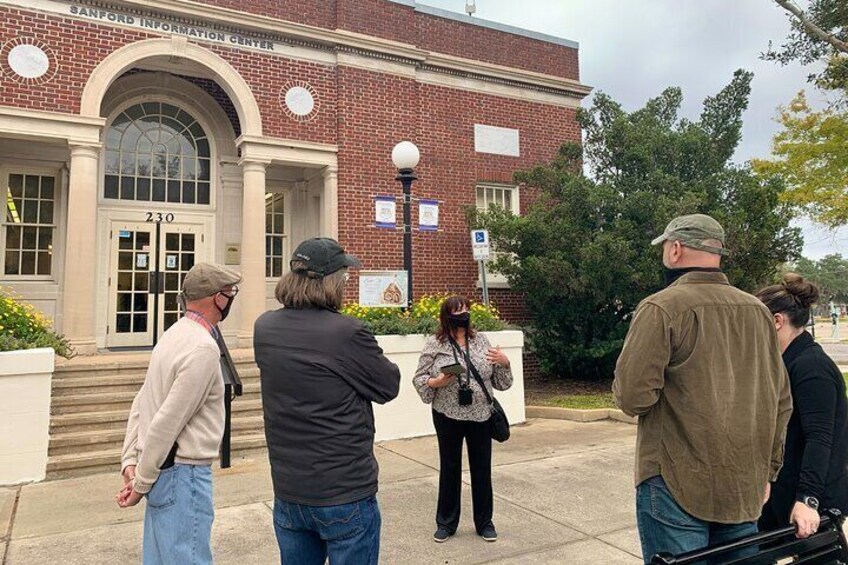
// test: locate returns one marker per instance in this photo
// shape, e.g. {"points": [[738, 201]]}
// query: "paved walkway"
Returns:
{"points": [[563, 494]]}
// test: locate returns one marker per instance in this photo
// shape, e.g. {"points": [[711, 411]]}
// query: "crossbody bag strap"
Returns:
{"points": [[473, 370]]}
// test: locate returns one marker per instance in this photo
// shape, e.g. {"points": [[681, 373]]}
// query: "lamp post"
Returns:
{"points": [[405, 156]]}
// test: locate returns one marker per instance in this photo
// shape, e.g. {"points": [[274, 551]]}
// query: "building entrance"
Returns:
{"points": [[146, 276]]}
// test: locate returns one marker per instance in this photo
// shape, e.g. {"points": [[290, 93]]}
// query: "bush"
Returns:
{"points": [[421, 318], [24, 327]]}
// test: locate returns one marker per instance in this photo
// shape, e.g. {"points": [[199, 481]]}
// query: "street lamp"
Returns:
{"points": [[405, 156]]}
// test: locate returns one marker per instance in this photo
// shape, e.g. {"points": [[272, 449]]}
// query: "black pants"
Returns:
{"points": [[450, 433]]}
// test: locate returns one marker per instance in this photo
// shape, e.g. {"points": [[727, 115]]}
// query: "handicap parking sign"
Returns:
{"points": [[480, 244]]}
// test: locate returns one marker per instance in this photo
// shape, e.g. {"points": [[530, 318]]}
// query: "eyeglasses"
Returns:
{"points": [[346, 277], [232, 292]]}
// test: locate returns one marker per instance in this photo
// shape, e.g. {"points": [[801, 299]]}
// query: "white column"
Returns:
{"points": [[80, 282], [330, 215], [252, 288]]}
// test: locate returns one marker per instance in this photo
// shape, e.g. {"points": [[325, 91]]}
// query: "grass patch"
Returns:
{"points": [[581, 401]]}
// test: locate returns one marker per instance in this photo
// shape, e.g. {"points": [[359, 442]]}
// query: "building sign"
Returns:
{"points": [[383, 288], [152, 24], [162, 25], [385, 212], [428, 215]]}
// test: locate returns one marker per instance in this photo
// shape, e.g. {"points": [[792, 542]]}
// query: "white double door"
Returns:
{"points": [[146, 276]]}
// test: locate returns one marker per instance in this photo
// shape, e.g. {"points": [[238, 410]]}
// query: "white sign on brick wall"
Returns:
{"points": [[496, 140]]}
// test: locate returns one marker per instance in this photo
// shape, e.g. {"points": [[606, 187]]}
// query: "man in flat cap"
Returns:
{"points": [[701, 368], [176, 424]]}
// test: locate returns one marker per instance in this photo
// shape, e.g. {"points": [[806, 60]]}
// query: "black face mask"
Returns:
{"points": [[225, 311], [462, 320], [671, 275]]}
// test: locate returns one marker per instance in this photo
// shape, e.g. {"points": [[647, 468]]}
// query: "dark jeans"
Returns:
{"points": [[349, 534], [665, 527], [477, 437]]}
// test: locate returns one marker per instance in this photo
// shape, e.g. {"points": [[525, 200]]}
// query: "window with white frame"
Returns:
{"points": [[276, 248], [505, 196], [29, 224]]}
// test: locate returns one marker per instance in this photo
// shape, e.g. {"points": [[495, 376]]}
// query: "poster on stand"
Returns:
{"points": [[383, 288]]}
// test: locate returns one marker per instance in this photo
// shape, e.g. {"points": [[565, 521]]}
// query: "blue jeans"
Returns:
{"points": [[178, 518], [665, 527], [349, 534]]}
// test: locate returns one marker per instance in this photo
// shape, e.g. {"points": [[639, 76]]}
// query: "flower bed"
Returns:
{"points": [[421, 318], [24, 327]]}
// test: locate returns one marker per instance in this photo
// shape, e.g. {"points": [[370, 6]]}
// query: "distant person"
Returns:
{"points": [[814, 475], [176, 424], [320, 372], [461, 412], [701, 368]]}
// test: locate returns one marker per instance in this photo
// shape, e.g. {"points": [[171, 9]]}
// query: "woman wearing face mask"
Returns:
{"points": [[461, 411], [813, 476]]}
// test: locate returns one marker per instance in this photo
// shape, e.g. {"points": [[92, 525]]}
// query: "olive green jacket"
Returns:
{"points": [[701, 368]]}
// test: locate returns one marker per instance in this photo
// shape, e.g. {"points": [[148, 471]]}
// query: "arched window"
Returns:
{"points": [[156, 152]]}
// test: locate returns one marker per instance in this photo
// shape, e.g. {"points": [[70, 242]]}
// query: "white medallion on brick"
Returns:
{"points": [[27, 61], [299, 100], [496, 140]]}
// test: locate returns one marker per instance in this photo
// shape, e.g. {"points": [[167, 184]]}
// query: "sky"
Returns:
{"points": [[633, 49]]}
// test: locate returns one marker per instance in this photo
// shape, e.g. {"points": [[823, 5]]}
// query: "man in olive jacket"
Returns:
{"points": [[701, 368]]}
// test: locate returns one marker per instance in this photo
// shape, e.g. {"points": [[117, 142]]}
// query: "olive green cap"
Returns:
{"points": [[206, 279], [692, 231]]}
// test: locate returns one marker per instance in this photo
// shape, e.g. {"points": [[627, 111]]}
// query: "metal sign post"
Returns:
{"points": [[480, 249]]}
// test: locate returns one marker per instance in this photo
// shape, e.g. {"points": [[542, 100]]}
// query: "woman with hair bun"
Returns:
{"points": [[814, 476]]}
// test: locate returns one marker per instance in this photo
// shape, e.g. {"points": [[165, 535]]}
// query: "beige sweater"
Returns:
{"points": [[182, 401]]}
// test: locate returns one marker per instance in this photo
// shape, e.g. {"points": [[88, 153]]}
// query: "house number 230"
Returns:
{"points": [[159, 217]]}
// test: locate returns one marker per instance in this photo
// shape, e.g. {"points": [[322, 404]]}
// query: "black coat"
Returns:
{"points": [[320, 371], [816, 438]]}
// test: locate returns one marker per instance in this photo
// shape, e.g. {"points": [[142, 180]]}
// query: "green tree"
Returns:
{"points": [[830, 273], [819, 35], [582, 253], [811, 157]]}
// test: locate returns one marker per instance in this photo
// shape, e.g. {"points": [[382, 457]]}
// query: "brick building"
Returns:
{"points": [[247, 126]]}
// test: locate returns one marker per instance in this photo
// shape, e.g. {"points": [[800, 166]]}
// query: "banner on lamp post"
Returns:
{"points": [[428, 215], [385, 212]]}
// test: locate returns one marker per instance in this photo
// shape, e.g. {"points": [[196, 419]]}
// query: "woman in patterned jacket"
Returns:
{"points": [[461, 411]]}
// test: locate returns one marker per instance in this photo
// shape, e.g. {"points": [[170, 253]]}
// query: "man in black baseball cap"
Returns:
{"points": [[320, 372], [321, 256]]}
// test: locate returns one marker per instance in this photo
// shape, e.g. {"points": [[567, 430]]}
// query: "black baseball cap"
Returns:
{"points": [[322, 256]]}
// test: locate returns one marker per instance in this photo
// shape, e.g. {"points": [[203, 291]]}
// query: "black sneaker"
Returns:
{"points": [[441, 535], [489, 533]]}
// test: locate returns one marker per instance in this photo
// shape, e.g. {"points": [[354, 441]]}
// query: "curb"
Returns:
{"points": [[577, 415]]}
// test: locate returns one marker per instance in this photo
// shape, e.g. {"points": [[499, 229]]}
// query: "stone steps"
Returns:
{"points": [[91, 400], [109, 460]]}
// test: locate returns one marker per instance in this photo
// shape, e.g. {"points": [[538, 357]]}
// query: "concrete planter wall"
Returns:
{"points": [[407, 416], [25, 378]]}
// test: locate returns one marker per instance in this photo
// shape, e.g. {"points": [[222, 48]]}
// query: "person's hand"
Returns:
{"points": [[440, 381], [128, 496], [497, 357], [768, 493], [806, 520], [128, 474]]}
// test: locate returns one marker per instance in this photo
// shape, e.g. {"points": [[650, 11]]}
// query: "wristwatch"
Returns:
{"points": [[810, 501]]}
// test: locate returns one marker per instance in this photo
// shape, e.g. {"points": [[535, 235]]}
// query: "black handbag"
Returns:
{"points": [[498, 422]]}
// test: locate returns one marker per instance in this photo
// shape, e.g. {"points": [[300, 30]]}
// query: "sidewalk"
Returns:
{"points": [[563, 494]]}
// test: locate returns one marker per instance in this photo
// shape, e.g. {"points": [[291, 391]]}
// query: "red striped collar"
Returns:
{"points": [[200, 319]]}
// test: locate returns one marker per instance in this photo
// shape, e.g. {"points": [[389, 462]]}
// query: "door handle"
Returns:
{"points": [[156, 282]]}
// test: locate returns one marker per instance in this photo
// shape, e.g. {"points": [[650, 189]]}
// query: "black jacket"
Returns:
{"points": [[320, 372], [817, 435]]}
